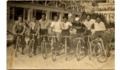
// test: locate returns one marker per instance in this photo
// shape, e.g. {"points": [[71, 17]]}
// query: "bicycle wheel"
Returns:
{"points": [[80, 51], [54, 51], [89, 50], [17, 46], [30, 48], [66, 51], [101, 53], [44, 49]]}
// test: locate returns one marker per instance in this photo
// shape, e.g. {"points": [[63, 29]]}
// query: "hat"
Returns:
{"points": [[77, 19]]}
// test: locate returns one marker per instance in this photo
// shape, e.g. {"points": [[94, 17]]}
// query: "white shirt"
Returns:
{"points": [[66, 25], [89, 23], [99, 27], [57, 26], [43, 24], [32, 25]]}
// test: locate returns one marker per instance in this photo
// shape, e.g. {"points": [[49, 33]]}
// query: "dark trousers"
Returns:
{"points": [[43, 32]]}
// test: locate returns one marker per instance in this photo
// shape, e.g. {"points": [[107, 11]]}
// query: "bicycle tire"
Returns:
{"points": [[89, 51], [44, 50], [66, 50], [102, 54], [30, 48], [54, 51], [80, 51], [17, 46]]}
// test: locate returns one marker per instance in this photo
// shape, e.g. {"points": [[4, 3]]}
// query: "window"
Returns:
{"points": [[38, 14], [11, 13], [18, 12], [25, 14], [52, 14], [15, 12]]}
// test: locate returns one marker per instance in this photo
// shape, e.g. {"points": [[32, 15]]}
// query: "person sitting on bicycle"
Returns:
{"points": [[19, 29], [44, 24], [56, 29], [34, 28]]}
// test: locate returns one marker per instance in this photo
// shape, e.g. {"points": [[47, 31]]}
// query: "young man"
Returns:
{"points": [[66, 26], [44, 23], [56, 29], [19, 29], [99, 26], [88, 23], [34, 29], [99, 31], [66, 29]]}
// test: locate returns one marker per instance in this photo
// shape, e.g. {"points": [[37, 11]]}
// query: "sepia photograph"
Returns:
{"points": [[60, 34]]}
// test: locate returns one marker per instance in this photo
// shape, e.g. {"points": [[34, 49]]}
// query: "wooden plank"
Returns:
{"points": [[40, 7]]}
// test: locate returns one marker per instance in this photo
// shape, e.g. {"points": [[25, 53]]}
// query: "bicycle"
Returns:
{"points": [[66, 45], [44, 46], [80, 49], [18, 41], [31, 44], [98, 50]]}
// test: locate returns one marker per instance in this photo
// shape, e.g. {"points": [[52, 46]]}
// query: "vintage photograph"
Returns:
{"points": [[61, 34]]}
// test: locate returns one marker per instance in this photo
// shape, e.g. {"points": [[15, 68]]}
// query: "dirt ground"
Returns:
{"points": [[37, 61]]}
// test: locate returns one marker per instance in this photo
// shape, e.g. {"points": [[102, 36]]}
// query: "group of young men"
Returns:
{"points": [[57, 27]]}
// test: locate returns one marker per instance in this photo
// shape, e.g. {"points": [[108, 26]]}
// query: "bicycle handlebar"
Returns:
{"points": [[97, 39]]}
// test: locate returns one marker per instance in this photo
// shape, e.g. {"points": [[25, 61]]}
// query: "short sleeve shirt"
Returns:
{"points": [[43, 24], [66, 25], [89, 23], [99, 26], [56, 26]]}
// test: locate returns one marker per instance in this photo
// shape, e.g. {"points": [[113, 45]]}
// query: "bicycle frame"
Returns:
{"points": [[43, 45], [80, 39], [53, 50]]}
